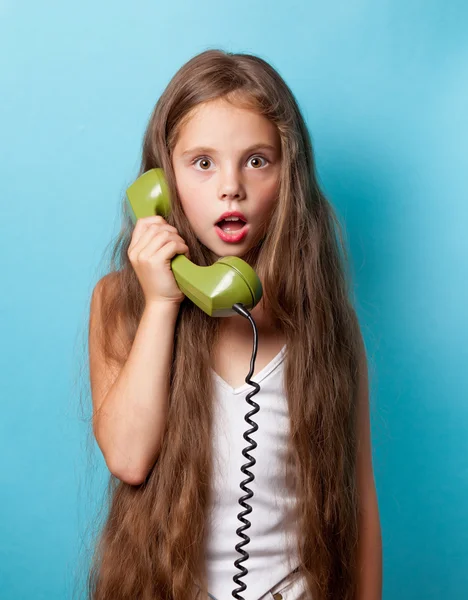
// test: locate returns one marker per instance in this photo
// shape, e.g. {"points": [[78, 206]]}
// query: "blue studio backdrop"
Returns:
{"points": [[384, 89]]}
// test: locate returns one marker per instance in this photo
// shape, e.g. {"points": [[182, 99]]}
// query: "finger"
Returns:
{"points": [[174, 248], [164, 245], [153, 242], [152, 232], [143, 223], [149, 230]]}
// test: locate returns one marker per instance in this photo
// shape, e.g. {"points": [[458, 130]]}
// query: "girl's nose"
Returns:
{"points": [[231, 185]]}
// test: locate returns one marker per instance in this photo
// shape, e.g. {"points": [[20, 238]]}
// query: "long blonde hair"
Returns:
{"points": [[154, 534]]}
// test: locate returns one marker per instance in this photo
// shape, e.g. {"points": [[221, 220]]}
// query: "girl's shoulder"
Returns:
{"points": [[106, 322], [108, 284]]}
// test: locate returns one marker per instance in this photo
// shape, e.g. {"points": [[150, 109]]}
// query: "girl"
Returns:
{"points": [[167, 380]]}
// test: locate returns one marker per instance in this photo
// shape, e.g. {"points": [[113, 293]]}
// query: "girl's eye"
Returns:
{"points": [[205, 162], [202, 160], [258, 158]]}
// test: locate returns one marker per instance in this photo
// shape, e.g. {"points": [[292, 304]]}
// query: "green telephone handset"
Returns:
{"points": [[214, 289]]}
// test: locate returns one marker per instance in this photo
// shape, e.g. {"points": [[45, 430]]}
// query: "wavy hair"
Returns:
{"points": [[151, 544]]}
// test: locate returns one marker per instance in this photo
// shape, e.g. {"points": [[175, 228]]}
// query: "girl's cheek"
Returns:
{"points": [[268, 190], [187, 189]]}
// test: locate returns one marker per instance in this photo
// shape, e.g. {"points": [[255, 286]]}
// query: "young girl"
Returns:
{"points": [[168, 381]]}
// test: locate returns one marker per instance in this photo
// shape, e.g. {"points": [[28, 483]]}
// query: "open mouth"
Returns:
{"points": [[231, 230], [231, 225]]}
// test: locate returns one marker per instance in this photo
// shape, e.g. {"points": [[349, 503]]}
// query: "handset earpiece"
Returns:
{"points": [[214, 289]]}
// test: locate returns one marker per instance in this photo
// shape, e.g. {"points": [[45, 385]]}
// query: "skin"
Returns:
{"points": [[229, 176]]}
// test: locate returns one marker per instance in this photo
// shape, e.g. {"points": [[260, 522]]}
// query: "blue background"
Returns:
{"points": [[384, 89]]}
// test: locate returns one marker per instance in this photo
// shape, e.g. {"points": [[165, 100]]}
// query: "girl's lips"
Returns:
{"points": [[235, 236]]}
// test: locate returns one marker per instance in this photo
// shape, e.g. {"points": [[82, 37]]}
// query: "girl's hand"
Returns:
{"points": [[154, 243]]}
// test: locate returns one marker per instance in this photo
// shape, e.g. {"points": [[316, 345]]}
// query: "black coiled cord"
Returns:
{"points": [[240, 308]]}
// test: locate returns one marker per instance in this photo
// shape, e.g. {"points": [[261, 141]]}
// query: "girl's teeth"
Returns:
{"points": [[232, 226]]}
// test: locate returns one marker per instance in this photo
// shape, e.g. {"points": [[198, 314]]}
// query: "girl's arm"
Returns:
{"points": [[130, 401], [370, 548]]}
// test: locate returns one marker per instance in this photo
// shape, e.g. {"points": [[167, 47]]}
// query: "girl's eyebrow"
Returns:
{"points": [[202, 149]]}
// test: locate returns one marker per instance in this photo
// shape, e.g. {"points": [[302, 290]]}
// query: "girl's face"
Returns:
{"points": [[227, 159]]}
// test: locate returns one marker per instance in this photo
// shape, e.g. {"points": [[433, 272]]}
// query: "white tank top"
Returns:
{"points": [[272, 532]]}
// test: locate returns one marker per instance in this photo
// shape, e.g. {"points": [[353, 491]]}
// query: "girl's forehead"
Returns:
{"points": [[220, 117]]}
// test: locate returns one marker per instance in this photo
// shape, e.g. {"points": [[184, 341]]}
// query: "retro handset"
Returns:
{"points": [[227, 287], [214, 289]]}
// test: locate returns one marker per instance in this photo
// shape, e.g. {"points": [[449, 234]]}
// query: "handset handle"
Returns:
{"points": [[214, 289]]}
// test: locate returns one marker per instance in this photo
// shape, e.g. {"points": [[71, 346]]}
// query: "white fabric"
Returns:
{"points": [[272, 532], [293, 587]]}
